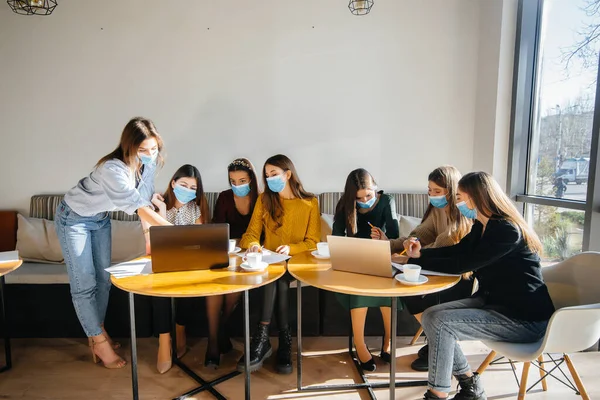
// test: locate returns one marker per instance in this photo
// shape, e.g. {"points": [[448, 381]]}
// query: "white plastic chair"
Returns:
{"points": [[574, 326]]}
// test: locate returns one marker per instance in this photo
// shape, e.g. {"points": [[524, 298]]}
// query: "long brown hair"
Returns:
{"points": [[491, 201], [346, 208], [243, 164], [448, 177], [135, 132], [188, 171], [271, 200]]}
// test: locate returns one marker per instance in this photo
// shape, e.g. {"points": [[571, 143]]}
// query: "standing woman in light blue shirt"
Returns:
{"points": [[121, 181]]}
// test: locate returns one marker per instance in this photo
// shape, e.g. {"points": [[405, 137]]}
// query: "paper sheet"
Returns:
{"points": [[269, 257], [423, 271], [9, 256], [131, 268]]}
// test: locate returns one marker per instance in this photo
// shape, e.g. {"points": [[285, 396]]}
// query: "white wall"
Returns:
{"points": [[494, 87], [394, 92]]}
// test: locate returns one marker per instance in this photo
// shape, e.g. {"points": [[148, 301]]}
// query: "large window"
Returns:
{"points": [[553, 165]]}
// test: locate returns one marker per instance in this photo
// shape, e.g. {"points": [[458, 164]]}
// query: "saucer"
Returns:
{"points": [[422, 280], [236, 250], [247, 267], [315, 254]]}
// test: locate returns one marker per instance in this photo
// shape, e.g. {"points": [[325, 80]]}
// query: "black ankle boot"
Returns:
{"points": [[260, 350], [284, 352], [422, 361], [470, 388], [430, 396]]}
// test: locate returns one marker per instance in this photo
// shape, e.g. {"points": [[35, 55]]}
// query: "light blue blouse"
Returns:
{"points": [[112, 187]]}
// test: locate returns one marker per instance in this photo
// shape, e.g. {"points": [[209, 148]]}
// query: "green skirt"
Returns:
{"points": [[351, 301]]}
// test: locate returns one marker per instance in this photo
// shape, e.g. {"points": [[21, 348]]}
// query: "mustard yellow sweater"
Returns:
{"points": [[300, 229]]}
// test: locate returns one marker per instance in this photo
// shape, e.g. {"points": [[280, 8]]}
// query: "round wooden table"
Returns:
{"points": [[6, 268], [200, 283], [318, 273]]}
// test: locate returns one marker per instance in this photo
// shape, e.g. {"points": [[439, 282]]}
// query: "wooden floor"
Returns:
{"points": [[62, 369]]}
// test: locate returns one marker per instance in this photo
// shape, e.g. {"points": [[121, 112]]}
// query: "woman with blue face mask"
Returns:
{"points": [[234, 207], [363, 212], [512, 303], [183, 203], [288, 218], [123, 180], [442, 225]]}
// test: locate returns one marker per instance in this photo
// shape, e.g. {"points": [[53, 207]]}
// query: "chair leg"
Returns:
{"points": [[523, 386], [542, 373], [417, 336], [486, 362], [576, 378]]}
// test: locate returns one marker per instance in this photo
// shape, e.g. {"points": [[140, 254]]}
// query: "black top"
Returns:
{"points": [[508, 272], [226, 212], [383, 216]]}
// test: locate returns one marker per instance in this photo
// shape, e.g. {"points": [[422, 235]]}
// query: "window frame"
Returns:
{"points": [[525, 74]]}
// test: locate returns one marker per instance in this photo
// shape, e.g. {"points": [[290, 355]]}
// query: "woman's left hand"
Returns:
{"points": [[283, 250]]}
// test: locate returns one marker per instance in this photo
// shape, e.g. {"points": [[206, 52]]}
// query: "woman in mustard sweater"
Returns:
{"points": [[288, 216]]}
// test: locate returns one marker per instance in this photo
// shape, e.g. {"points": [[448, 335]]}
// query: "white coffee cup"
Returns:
{"points": [[323, 249], [231, 245], [254, 259], [412, 272]]}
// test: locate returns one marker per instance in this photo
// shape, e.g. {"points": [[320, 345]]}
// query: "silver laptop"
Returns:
{"points": [[189, 247], [361, 256]]}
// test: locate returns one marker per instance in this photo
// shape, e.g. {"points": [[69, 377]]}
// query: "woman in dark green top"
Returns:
{"points": [[361, 205]]}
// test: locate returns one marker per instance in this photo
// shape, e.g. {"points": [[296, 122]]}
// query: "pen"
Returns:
{"points": [[371, 225]]}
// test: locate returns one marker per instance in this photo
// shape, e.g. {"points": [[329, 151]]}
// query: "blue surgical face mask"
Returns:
{"points": [[276, 183], [466, 211], [438, 201], [241, 190], [367, 204], [183, 194], [148, 159]]}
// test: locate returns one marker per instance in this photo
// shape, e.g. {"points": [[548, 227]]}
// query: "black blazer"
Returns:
{"points": [[509, 273]]}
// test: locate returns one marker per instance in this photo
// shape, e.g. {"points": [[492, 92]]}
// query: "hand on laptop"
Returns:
{"points": [[148, 251], [283, 250], [397, 258]]}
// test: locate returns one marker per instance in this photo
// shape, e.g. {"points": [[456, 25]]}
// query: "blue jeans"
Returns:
{"points": [[468, 319], [86, 247]]}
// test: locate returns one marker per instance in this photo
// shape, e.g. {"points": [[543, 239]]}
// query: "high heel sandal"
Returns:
{"points": [[113, 344], [116, 364]]}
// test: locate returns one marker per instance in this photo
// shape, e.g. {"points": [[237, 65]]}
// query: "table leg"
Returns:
{"points": [[393, 348], [173, 331], [299, 337], [7, 353], [134, 377], [206, 385], [247, 343]]}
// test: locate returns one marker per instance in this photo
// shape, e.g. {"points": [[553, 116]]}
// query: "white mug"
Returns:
{"points": [[231, 245], [323, 249], [412, 272], [254, 259]]}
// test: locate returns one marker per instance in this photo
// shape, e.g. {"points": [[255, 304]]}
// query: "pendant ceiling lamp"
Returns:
{"points": [[360, 7], [32, 7]]}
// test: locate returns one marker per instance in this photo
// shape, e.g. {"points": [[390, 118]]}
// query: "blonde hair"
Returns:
{"points": [[491, 201], [135, 132], [448, 177]]}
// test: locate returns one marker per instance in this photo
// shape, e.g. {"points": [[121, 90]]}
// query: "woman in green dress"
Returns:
{"points": [[360, 210]]}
